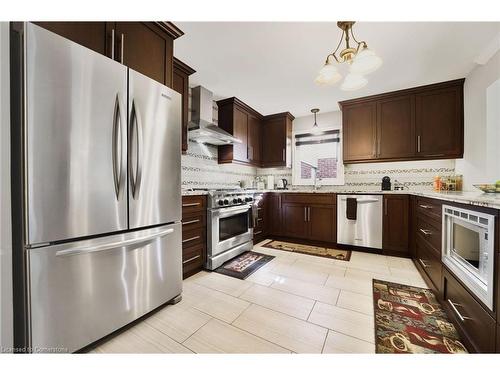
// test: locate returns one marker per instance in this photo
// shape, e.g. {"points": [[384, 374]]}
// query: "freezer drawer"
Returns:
{"points": [[366, 229], [85, 290], [154, 152], [76, 140]]}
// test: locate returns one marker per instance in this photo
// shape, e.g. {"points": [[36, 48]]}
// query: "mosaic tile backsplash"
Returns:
{"points": [[201, 170]]}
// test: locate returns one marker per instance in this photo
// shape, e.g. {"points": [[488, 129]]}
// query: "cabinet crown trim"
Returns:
{"points": [[412, 90], [182, 66]]}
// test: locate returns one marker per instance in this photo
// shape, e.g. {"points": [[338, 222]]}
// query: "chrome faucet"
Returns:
{"points": [[315, 168]]}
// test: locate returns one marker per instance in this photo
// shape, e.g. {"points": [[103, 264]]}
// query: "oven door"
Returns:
{"points": [[230, 227]]}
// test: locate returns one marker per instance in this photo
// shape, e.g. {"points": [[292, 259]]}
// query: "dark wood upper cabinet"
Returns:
{"points": [[276, 147], [254, 139], [360, 130], [396, 225], [413, 124], [439, 121], [146, 47], [396, 127], [180, 84], [93, 35]]}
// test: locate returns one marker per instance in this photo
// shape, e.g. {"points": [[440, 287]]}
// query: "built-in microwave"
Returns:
{"points": [[468, 249]]}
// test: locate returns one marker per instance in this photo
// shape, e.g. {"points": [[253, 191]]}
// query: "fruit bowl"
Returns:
{"points": [[488, 188]]}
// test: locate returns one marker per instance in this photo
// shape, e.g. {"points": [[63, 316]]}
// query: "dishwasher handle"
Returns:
{"points": [[363, 200]]}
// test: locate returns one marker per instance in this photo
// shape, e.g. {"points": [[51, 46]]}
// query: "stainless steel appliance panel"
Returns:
{"points": [[76, 139], [366, 230], [154, 152], [85, 290]]}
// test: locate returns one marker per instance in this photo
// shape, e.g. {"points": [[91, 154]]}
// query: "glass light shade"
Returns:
{"points": [[366, 61], [353, 82], [328, 75]]}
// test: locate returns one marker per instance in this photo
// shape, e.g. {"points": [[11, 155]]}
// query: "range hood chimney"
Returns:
{"points": [[201, 127]]}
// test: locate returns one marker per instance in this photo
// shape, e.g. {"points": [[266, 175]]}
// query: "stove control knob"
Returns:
{"points": [[235, 200], [248, 199], [240, 200], [226, 201], [220, 202]]}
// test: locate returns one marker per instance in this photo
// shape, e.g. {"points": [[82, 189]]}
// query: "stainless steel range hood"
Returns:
{"points": [[201, 127]]}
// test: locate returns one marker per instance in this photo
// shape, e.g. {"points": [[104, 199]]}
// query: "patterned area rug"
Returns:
{"points": [[244, 265], [410, 320], [319, 251]]}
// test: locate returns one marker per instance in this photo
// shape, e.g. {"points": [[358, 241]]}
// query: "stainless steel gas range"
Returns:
{"points": [[230, 225]]}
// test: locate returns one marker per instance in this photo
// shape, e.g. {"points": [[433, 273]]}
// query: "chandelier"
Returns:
{"points": [[360, 59]]}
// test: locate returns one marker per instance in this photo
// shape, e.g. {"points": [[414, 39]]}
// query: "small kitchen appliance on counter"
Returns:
{"points": [[386, 183], [282, 184]]}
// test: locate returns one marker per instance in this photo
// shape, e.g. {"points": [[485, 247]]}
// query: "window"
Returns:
{"points": [[320, 153]]}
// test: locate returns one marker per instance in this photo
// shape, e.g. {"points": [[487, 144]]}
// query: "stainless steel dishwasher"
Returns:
{"points": [[364, 227]]}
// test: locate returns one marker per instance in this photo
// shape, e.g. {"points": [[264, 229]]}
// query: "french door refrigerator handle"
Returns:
{"points": [[112, 44], [113, 245], [136, 180], [122, 47], [118, 160]]}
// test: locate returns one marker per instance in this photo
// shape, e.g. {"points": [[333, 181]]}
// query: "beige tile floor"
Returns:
{"points": [[294, 304]]}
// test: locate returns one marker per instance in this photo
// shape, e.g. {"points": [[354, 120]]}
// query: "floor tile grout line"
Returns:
{"points": [[204, 324], [324, 341], [310, 312], [263, 338]]}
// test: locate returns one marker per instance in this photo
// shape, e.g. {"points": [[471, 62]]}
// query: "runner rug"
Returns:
{"points": [[411, 320], [319, 251], [244, 265]]}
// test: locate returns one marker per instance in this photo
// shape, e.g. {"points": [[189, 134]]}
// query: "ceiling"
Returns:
{"points": [[271, 66]]}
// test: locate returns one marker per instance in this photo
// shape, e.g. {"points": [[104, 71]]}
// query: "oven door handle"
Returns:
{"points": [[230, 211]]}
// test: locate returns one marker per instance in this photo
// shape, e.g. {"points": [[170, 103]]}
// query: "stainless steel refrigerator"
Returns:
{"points": [[101, 192]]}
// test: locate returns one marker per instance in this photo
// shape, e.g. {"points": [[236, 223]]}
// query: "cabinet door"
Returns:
{"points": [[274, 137], [294, 218], [93, 35], [439, 122], [274, 213], [145, 49], [180, 84], [360, 131], [254, 133], [395, 224], [240, 131], [322, 223], [396, 127]]}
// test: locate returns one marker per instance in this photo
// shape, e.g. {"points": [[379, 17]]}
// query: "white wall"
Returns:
{"points": [[6, 340], [482, 123], [325, 120]]}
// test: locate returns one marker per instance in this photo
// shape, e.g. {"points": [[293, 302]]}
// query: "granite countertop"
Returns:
{"points": [[466, 197]]}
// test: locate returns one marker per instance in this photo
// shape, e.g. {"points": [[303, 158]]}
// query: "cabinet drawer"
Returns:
{"points": [[474, 322], [309, 198], [429, 207], [430, 231], [193, 221], [430, 263], [192, 203], [192, 259], [192, 237]]}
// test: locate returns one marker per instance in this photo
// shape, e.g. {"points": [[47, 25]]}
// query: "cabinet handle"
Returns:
{"points": [[190, 239], [425, 231], [259, 219], [257, 233], [378, 147], [191, 259], [122, 47], [284, 155], [418, 143], [308, 213], [453, 306], [423, 263], [190, 222], [190, 204], [305, 214], [426, 206], [112, 44]]}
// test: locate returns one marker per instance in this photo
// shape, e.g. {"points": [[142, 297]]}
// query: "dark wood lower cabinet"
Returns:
{"points": [[261, 222], [194, 234], [429, 264], [396, 225], [295, 220], [476, 326], [322, 223]]}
